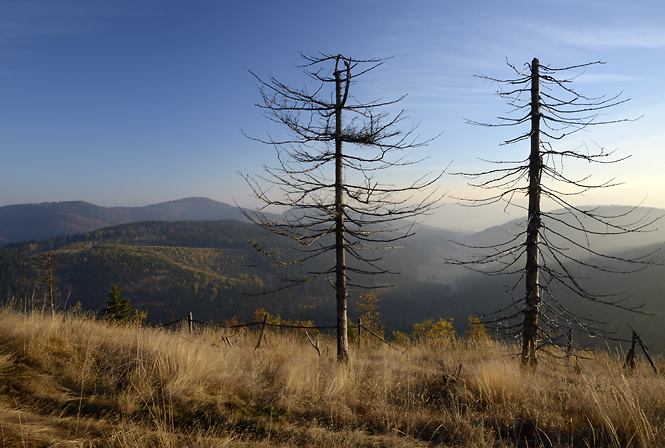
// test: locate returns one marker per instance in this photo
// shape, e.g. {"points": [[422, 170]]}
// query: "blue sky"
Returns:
{"points": [[133, 102]]}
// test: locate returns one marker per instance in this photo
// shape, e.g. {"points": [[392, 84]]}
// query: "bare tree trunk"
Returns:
{"points": [[340, 265], [336, 215], [532, 298]]}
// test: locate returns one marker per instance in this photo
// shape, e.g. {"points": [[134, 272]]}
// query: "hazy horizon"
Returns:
{"points": [[449, 216]]}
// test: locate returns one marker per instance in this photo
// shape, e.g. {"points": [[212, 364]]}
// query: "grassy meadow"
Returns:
{"points": [[72, 381]]}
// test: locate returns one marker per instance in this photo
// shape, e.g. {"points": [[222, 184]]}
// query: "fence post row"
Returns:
{"points": [[264, 323]]}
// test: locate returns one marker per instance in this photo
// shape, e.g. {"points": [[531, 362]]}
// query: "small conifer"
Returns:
{"points": [[118, 308]]}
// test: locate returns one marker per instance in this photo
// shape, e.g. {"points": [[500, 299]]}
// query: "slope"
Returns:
{"points": [[25, 222]]}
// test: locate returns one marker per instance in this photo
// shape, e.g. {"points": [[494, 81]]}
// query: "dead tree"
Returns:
{"points": [[49, 281], [552, 110], [329, 177]]}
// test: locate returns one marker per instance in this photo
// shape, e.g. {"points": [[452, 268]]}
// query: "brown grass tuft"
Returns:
{"points": [[74, 381]]}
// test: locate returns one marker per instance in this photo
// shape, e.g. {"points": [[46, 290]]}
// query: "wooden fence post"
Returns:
{"points": [[359, 325], [263, 327], [190, 323], [630, 357], [644, 348], [569, 349]]}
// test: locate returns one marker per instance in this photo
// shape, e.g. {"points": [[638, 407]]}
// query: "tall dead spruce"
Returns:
{"points": [[553, 110], [328, 177]]}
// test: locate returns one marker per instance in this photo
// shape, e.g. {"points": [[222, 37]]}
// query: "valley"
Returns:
{"points": [[170, 267]]}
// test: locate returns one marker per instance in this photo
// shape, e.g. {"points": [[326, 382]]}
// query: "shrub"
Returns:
{"points": [[440, 332], [477, 333], [400, 338]]}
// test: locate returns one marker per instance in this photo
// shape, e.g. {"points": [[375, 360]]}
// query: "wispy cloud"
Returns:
{"points": [[609, 36]]}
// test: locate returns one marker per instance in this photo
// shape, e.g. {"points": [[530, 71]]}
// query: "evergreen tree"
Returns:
{"points": [[119, 308]]}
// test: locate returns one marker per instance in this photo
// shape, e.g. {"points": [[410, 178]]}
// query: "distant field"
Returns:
{"points": [[74, 381]]}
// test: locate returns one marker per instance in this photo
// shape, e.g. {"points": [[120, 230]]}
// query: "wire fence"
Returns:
{"points": [[264, 323], [190, 321], [361, 329]]}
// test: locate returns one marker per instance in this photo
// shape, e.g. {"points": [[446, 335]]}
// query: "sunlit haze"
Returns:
{"points": [[129, 103]]}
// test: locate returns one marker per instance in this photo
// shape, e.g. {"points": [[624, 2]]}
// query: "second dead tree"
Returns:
{"points": [[554, 110]]}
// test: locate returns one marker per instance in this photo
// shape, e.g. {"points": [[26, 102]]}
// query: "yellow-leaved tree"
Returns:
{"points": [[370, 316], [477, 333], [430, 332]]}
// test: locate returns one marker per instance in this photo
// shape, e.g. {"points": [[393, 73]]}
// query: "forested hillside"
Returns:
{"points": [[172, 268], [204, 267]]}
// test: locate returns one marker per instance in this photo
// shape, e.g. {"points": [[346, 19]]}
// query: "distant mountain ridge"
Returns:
{"points": [[26, 222]]}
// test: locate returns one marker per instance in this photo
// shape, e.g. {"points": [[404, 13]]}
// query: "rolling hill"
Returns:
{"points": [[172, 268], [26, 222]]}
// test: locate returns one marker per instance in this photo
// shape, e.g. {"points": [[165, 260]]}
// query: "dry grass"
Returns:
{"points": [[74, 381]]}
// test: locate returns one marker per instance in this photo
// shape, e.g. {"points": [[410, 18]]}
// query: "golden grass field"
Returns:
{"points": [[73, 381]]}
